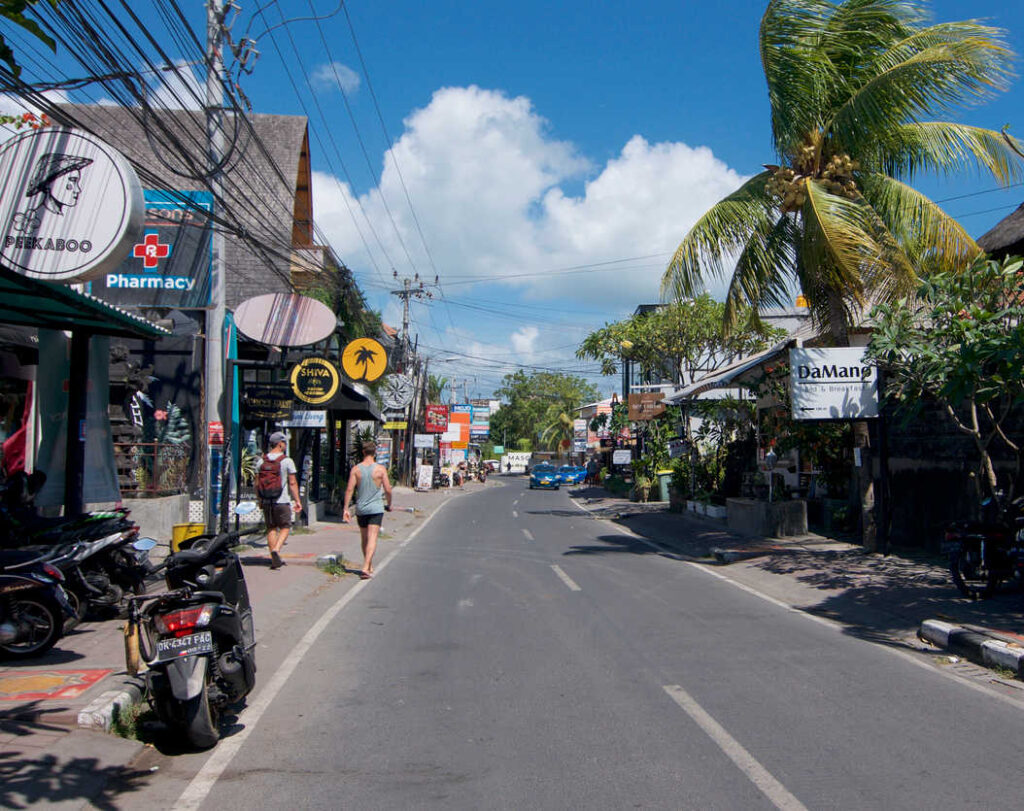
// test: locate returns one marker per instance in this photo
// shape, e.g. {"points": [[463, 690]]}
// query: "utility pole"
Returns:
{"points": [[214, 377], [411, 289]]}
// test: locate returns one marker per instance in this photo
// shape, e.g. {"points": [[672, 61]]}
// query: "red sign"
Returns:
{"points": [[437, 419], [151, 251], [216, 433]]}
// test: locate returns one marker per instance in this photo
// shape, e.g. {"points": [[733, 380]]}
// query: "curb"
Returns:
{"points": [[974, 645], [99, 714]]}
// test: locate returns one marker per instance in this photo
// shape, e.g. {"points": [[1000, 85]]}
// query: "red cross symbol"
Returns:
{"points": [[150, 251]]}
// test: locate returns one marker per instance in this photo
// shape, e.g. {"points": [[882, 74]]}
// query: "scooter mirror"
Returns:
{"points": [[245, 507], [144, 544]]}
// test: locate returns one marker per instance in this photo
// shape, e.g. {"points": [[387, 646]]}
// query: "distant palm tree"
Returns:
{"points": [[435, 388], [852, 85], [365, 355]]}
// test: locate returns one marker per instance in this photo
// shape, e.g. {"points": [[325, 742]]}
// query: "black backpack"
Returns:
{"points": [[269, 485]]}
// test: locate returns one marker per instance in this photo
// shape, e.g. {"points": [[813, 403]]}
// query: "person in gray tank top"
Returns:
{"points": [[370, 484]]}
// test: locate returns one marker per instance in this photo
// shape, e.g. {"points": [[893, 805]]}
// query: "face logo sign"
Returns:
{"points": [[72, 206]]}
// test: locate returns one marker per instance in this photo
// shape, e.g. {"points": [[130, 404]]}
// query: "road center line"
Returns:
{"points": [[528, 534], [733, 749], [565, 578], [202, 784]]}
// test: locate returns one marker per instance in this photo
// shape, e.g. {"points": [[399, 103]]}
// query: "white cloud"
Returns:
{"points": [[177, 88], [489, 182], [329, 76], [524, 340]]}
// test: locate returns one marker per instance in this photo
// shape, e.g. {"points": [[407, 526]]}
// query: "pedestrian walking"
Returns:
{"points": [[277, 487], [372, 488]]}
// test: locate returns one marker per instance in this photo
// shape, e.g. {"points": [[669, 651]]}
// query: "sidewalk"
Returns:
{"points": [[886, 599], [55, 709]]}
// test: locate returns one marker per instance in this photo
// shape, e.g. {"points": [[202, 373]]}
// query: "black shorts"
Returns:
{"points": [[373, 520], [277, 516]]}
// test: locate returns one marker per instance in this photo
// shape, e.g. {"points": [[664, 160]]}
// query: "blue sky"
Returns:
{"points": [[554, 153]]}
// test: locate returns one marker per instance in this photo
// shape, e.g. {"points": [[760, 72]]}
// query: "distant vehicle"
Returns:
{"points": [[571, 474], [492, 464], [544, 475]]}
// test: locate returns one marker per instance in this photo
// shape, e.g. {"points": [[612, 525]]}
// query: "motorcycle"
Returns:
{"points": [[197, 640], [33, 604], [441, 479], [986, 553]]}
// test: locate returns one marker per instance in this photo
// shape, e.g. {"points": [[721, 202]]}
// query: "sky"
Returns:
{"points": [[542, 160]]}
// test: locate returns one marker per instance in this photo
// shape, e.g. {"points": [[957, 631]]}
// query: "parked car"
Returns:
{"points": [[544, 476]]}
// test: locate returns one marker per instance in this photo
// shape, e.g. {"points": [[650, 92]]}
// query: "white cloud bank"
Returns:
{"points": [[487, 180]]}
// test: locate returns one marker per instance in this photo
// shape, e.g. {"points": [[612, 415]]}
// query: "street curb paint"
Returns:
{"points": [[977, 647]]}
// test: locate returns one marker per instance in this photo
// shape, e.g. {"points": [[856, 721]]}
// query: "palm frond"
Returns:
{"points": [[763, 272], [926, 232], [943, 147], [915, 82], [724, 229]]}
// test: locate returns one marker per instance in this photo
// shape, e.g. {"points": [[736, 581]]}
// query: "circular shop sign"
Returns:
{"points": [[364, 359], [315, 380], [397, 391], [72, 207]]}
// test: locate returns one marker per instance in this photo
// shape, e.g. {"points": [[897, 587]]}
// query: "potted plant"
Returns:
{"points": [[642, 487]]}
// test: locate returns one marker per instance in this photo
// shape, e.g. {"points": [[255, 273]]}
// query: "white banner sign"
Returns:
{"points": [[832, 384], [305, 419], [423, 441], [623, 456], [425, 477]]}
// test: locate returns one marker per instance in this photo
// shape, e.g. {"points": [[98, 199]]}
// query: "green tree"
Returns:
{"points": [[681, 341], [960, 344], [533, 403], [852, 86], [435, 388]]}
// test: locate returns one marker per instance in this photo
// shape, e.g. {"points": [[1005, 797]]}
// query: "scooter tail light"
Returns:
{"points": [[54, 572], [185, 620]]}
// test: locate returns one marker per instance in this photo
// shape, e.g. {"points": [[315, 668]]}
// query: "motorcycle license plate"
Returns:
{"points": [[176, 647]]}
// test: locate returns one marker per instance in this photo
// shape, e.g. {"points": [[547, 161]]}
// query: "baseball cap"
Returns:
{"points": [[276, 437]]}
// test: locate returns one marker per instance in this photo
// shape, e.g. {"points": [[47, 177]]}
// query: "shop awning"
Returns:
{"points": [[44, 305], [353, 402]]}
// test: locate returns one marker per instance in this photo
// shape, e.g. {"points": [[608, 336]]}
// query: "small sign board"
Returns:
{"points": [[215, 433], [646, 406], [425, 477], [676, 448], [384, 452], [364, 359], [423, 441], [622, 456], [437, 418], [305, 419], [268, 402], [395, 426], [832, 384]]}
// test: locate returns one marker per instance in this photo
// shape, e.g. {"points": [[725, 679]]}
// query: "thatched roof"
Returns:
{"points": [[1006, 238], [259, 189]]}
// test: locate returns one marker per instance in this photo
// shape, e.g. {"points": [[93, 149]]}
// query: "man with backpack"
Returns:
{"points": [[273, 470]]}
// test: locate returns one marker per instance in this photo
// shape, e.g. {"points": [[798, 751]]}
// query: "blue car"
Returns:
{"points": [[571, 474], [544, 476]]}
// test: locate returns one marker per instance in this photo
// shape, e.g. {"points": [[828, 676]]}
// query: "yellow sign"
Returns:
{"points": [[395, 426], [364, 359], [315, 380]]}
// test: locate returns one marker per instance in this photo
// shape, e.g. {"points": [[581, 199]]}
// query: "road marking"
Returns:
{"points": [[733, 749], [565, 578], [515, 513], [202, 784], [528, 534]]}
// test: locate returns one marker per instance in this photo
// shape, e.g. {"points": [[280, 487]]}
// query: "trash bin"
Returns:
{"points": [[664, 480], [182, 532]]}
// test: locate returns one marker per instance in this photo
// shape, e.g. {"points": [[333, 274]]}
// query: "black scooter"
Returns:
{"points": [[198, 639], [33, 604]]}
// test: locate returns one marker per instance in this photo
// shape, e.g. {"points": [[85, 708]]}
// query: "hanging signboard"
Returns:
{"points": [[622, 456], [315, 380], [646, 406], [395, 426], [364, 359], [170, 264], [423, 441], [271, 402], [832, 384], [72, 207], [436, 419]]}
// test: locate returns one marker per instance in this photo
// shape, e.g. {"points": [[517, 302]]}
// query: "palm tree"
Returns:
{"points": [[558, 426], [852, 87], [435, 388]]}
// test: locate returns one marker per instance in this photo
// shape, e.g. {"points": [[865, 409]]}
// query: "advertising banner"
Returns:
{"points": [[395, 426], [305, 419], [423, 441], [170, 265], [437, 419], [622, 456], [271, 402], [646, 406], [425, 477], [579, 436], [384, 452]]}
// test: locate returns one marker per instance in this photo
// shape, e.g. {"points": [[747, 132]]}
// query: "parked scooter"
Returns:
{"points": [[198, 639], [441, 479], [984, 554], [33, 604]]}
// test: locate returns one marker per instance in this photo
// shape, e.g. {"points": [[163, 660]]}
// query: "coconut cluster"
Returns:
{"points": [[789, 186]]}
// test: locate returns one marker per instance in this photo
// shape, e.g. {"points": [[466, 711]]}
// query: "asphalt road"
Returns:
{"points": [[519, 654]]}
